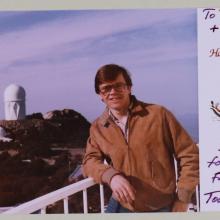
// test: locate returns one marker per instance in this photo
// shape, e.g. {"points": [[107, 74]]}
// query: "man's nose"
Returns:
{"points": [[112, 90]]}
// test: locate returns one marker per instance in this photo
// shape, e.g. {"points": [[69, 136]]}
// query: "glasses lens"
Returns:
{"points": [[105, 89], [119, 87]]}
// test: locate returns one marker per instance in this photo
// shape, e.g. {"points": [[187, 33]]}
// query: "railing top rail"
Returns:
{"points": [[50, 198]]}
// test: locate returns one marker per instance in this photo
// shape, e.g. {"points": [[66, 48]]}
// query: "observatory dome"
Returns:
{"points": [[14, 93]]}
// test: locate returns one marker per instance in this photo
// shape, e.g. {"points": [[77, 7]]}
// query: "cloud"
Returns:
{"points": [[47, 38]]}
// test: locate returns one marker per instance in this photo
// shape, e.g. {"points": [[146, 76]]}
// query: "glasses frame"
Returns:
{"points": [[118, 87]]}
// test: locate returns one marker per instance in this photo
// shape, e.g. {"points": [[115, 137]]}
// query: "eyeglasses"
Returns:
{"points": [[118, 87]]}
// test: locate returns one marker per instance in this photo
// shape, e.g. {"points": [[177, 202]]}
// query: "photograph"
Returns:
{"points": [[99, 111]]}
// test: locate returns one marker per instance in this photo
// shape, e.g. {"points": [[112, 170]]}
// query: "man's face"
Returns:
{"points": [[116, 94]]}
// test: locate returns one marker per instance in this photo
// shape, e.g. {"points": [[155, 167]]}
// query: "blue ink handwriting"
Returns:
{"points": [[212, 198]]}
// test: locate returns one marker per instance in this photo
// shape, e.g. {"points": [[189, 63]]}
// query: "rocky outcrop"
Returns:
{"points": [[66, 126], [38, 159]]}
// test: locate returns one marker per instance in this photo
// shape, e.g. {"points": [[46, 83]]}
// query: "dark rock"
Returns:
{"points": [[37, 115], [38, 160]]}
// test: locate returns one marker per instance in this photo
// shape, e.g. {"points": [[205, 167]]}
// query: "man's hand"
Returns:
{"points": [[179, 206], [123, 191]]}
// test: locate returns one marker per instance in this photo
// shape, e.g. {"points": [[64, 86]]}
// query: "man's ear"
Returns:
{"points": [[130, 89], [101, 97]]}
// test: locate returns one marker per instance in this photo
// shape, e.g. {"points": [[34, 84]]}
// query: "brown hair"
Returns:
{"points": [[110, 72]]}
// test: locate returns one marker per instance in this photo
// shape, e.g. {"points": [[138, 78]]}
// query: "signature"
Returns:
{"points": [[212, 197]]}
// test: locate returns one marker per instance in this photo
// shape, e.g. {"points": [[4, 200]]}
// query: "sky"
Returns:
{"points": [[54, 56]]}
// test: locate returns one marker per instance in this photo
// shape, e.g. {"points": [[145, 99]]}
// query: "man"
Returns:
{"points": [[139, 141]]}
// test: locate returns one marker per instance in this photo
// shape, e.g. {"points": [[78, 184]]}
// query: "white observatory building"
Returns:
{"points": [[14, 98]]}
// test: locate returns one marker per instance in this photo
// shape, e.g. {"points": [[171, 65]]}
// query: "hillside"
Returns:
{"points": [[40, 156]]}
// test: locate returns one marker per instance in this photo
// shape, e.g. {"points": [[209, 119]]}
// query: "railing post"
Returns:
{"points": [[40, 204], [85, 201], [43, 210], [65, 205], [197, 199], [102, 198]]}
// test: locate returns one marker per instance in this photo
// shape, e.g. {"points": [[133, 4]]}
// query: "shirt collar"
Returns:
{"points": [[135, 107]]}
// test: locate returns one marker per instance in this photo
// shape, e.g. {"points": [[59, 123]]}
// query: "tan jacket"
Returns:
{"points": [[155, 136]]}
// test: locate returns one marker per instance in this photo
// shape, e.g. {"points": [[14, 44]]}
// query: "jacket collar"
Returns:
{"points": [[136, 108]]}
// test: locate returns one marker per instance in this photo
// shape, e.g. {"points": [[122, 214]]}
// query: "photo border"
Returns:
{"points": [[14, 5], [102, 4]]}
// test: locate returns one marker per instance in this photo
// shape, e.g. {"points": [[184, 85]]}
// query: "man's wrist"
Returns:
{"points": [[109, 174]]}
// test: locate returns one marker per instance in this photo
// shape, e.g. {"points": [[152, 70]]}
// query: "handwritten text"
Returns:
{"points": [[212, 197], [215, 52], [209, 13]]}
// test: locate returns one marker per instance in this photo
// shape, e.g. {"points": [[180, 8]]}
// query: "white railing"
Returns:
{"points": [[42, 202], [3, 209]]}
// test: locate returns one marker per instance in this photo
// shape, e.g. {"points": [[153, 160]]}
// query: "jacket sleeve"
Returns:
{"points": [[93, 162], [187, 156]]}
